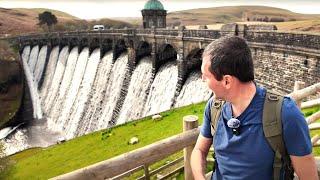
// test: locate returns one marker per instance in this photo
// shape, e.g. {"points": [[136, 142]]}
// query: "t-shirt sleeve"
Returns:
{"points": [[295, 129], [206, 125]]}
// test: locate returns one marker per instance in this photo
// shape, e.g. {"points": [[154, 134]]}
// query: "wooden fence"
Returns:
{"points": [[128, 163], [298, 95]]}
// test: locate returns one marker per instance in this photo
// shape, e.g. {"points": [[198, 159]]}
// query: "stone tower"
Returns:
{"points": [[153, 14]]}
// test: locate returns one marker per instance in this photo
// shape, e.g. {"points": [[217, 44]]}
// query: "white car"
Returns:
{"points": [[98, 27]]}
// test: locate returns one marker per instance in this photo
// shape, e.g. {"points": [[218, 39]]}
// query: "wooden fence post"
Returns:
{"points": [[146, 172], [297, 86], [189, 122]]}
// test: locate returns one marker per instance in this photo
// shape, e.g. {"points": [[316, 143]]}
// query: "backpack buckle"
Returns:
{"points": [[273, 97], [217, 104]]}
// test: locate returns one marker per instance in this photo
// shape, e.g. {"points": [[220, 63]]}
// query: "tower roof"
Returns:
{"points": [[153, 5]]}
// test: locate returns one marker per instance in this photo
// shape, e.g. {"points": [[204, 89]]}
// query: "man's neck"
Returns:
{"points": [[242, 96]]}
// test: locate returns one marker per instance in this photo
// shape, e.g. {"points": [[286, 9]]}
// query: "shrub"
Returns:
{"points": [[6, 52], [4, 163], [276, 19]]}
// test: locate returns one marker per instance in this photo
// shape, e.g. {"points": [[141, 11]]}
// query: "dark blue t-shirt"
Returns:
{"points": [[248, 155]]}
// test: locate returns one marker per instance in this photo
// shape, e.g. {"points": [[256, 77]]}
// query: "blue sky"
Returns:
{"points": [[93, 9]]}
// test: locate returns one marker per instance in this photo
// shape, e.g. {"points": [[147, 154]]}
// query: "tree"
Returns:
{"points": [[47, 18]]}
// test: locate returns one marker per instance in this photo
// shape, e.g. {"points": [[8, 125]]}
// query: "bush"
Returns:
{"points": [[6, 52], [4, 163]]}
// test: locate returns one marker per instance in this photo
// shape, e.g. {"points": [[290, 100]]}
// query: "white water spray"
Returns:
{"points": [[33, 58], [135, 100], [51, 66], [162, 90], [65, 84], [113, 90], [193, 91], [83, 94], [57, 77], [97, 93], [59, 123], [40, 64]]}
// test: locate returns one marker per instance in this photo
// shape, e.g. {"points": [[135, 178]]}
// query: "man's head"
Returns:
{"points": [[225, 59]]}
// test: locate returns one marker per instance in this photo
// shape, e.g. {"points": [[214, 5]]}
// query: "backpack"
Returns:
{"points": [[272, 128]]}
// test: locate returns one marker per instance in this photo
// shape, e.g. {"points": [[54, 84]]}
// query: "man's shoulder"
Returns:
{"points": [[289, 108]]}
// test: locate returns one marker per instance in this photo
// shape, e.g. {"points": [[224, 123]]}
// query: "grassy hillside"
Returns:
{"points": [[16, 21], [59, 14], [229, 14], [306, 25], [217, 16]]}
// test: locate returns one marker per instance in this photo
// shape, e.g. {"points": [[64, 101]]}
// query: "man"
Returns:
{"points": [[227, 68]]}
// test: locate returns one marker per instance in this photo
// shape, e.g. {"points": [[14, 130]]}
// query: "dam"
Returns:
{"points": [[84, 81]]}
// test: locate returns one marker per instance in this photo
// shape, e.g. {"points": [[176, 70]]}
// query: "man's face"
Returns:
{"points": [[213, 84]]}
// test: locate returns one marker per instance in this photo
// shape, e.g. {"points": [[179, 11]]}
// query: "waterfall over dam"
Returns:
{"points": [[76, 91]]}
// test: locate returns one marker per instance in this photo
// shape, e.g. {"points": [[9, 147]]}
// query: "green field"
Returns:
{"points": [[49, 162], [45, 163]]}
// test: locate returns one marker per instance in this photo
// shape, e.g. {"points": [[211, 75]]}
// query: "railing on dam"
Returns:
{"points": [[212, 34], [293, 39], [305, 42], [125, 164]]}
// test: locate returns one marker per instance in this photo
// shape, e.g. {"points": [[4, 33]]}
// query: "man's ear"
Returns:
{"points": [[227, 81]]}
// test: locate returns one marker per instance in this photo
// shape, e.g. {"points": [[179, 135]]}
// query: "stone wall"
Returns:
{"points": [[311, 41], [279, 70]]}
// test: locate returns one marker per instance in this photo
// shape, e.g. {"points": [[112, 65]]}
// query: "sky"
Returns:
{"points": [[95, 9]]}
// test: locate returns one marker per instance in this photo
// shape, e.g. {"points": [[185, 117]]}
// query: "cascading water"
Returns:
{"points": [[37, 111], [113, 90], [40, 64], [83, 95], [25, 54], [193, 91], [33, 58], [57, 77], [140, 82], [16, 142], [97, 93], [51, 66], [57, 124], [80, 94], [162, 89], [65, 84]]}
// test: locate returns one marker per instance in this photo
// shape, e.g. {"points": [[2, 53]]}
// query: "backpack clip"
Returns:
{"points": [[217, 104], [273, 97]]}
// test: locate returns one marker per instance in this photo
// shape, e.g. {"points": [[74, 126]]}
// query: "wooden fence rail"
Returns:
{"points": [[162, 168], [125, 162], [303, 93], [311, 103], [128, 163]]}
